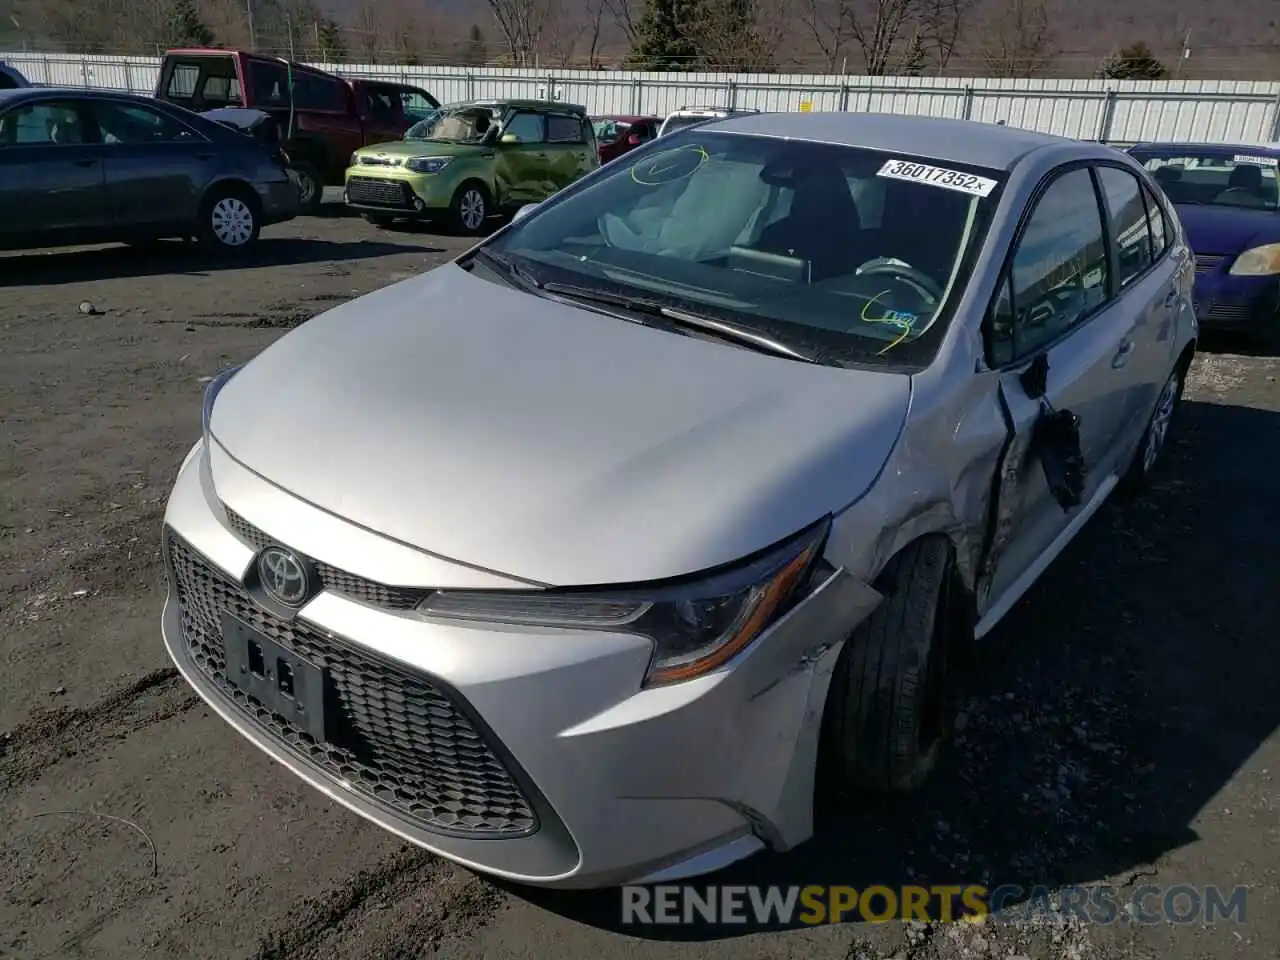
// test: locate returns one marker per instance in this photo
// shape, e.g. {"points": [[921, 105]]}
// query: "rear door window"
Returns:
{"points": [[183, 80], [1130, 230], [561, 129]]}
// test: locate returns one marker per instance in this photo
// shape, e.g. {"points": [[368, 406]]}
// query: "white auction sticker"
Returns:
{"points": [[937, 176], [1259, 161]]}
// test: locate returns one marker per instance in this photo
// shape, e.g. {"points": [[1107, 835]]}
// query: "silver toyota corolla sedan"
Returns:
{"points": [[574, 559]]}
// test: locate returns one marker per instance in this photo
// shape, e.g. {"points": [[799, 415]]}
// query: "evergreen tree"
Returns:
{"points": [[662, 42], [186, 29], [1134, 62], [332, 45]]}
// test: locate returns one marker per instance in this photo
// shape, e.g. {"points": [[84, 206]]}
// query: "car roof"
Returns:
{"points": [[625, 117], [1209, 148], [990, 145], [80, 93], [549, 105]]}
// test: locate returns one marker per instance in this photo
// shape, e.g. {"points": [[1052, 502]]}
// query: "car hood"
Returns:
{"points": [[551, 443], [1227, 230], [403, 149]]}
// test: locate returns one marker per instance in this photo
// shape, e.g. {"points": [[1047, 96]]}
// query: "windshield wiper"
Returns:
{"points": [[509, 267], [733, 332]]}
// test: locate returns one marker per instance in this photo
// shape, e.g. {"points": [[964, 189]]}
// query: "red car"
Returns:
{"points": [[617, 134]]}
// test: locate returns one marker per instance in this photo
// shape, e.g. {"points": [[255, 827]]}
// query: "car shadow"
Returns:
{"points": [[1109, 707], [1241, 344], [178, 257]]}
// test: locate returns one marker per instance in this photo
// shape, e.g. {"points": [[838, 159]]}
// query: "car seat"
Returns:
{"points": [[1244, 188], [822, 226]]}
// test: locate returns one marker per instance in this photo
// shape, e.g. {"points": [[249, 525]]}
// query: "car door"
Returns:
{"points": [[52, 185], [522, 162], [570, 147], [382, 111], [1148, 280], [156, 167], [1059, 344]]}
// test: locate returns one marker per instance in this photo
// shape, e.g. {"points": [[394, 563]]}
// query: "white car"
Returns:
{"points": [[691, 116]]}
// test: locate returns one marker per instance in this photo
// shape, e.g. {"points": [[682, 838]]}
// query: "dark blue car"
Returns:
{"points": [[1228, 198]]}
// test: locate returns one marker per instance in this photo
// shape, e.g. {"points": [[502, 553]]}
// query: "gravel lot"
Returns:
{"points": [[1122, 729]]}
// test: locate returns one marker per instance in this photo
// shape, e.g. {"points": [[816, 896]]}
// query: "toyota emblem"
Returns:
{"points": [[284, 576]]}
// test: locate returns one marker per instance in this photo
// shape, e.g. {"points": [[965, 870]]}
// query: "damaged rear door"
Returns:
{"points": [[1059, 343]]}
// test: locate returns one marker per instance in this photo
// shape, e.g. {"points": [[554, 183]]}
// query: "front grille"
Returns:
{"points": [[1208, 262], [379, 193], [339, 581], [1229, 313], [392, 734], [379, 162]]}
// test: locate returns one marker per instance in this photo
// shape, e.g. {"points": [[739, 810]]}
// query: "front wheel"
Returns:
{"points": [[229, 222], [891, 706], [470, 209]]}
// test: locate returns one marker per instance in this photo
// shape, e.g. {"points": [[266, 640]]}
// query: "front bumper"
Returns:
{"points": [[1243, 304], [402, 195], [280, 200], [531, 754]]}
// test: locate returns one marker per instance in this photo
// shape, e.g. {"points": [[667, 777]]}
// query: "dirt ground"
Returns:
{"points": [[1122, 729]]}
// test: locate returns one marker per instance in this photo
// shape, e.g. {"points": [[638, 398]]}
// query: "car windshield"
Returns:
{"points": [[607, 131], [460, 124], [1214, 178], [847, 254]]}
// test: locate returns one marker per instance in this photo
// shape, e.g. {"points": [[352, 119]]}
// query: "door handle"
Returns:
{"points": [[203, 156], [1171, 299], [84, 163], [1122, 355]]}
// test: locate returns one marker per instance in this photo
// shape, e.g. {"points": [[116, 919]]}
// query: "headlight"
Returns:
{"points": [[696, 626], [427, 164], [211, 391], [355, 160], [1263, 261]]}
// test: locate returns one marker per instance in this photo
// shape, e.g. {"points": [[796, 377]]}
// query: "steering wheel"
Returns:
{"points": [[904, 272]]}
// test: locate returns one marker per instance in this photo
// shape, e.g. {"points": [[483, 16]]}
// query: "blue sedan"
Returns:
{"points": [[1228, 199]]}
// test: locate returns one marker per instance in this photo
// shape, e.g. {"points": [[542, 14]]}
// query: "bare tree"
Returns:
{"points": [[371, 34], [625, 15], [941, 24], [828, 23], [570, 40], [1020, 41], [885, 31], [524, 25]]}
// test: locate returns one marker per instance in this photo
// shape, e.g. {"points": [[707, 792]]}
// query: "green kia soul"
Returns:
{"points": [[468, 161]]}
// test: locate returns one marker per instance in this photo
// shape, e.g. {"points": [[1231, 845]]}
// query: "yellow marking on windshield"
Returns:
{"points": [[897, 319], [654, 172]]}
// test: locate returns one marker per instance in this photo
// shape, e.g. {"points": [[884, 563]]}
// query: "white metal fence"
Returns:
{"points": [[1124, 111]]}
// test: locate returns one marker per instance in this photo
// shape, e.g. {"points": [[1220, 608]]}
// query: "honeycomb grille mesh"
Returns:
{"points": [[339, 581], [392, 735]]}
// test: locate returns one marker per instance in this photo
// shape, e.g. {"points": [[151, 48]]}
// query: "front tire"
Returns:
{"points": [[891, 708], [470, 209], [229, 221], [310, 188]]}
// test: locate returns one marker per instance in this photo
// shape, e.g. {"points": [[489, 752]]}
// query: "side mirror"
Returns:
{"points": [[510, 138], [523, 212], [634, 140]]}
